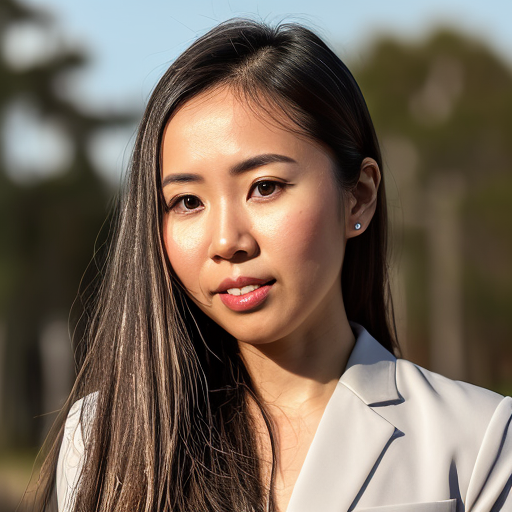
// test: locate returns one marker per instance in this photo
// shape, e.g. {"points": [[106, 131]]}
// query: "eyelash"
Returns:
{"points": [[279, 185]]}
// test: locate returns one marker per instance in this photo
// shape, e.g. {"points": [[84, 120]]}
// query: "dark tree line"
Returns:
{"points": [[48, 229], [443, 109]]}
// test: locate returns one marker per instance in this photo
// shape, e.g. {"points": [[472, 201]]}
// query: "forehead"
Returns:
{"points": [[223, 109], [232, 99], [221, 122]]}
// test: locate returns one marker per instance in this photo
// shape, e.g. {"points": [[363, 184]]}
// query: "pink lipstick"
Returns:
{"points": [[244, 293]]}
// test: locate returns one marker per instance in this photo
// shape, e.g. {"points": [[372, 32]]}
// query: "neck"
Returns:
{"points": [[301, 370]]}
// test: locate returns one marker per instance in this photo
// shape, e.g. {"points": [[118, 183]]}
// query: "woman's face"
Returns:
{"points": [[255, 228]]}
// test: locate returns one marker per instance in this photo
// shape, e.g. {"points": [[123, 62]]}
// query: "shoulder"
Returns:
{"points": [[450, 438], [429, 389], [470, 425], [456, 410], [72, 450], [413, 392]]}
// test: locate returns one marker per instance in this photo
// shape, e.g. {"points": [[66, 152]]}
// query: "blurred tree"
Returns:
{"points": [[49, 219], [442, 109]]}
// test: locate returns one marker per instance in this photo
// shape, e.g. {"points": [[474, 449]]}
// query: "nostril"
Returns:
{"points": [[237, 257], [236, 247]]}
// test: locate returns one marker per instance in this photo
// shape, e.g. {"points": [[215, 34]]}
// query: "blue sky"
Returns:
{"points": [[133, 41]]}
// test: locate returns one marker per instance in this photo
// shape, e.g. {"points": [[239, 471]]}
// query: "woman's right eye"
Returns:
{"points": [[185, 204]]}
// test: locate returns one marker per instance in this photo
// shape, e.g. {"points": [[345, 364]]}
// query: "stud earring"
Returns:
{"points": [[358, 226]]}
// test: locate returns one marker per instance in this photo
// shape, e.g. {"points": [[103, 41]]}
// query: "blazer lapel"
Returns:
{"points": [[351, 437]]}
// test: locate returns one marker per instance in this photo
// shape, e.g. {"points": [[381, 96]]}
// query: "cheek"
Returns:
{"points": [[184, 248], [309, 239]]}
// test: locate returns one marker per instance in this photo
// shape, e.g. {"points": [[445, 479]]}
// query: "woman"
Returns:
{"points": [[221, 370]]}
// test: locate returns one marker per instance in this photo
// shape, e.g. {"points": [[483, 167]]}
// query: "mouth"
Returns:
{"points": [[241, 283], [237, 292], [247, 297]]}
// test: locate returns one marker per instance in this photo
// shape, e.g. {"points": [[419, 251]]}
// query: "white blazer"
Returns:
{"points": [[394, 437]]}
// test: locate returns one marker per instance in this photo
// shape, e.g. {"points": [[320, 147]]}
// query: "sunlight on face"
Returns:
{"points": [[254, 229]]}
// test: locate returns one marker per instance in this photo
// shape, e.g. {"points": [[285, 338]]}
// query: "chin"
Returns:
{"points": [[259, 333], [251, 335]]}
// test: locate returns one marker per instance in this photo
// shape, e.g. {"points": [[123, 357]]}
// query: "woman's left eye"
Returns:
{"points": [[266, 188]]}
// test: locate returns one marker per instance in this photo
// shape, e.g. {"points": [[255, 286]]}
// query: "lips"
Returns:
{"points": [[240, 282], [244, 293]]}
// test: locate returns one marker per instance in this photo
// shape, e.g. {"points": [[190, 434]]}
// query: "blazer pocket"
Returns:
{"points": [[432, 506]]}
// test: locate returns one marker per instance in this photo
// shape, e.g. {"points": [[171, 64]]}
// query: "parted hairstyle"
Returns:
{"points": [[171, 429]]}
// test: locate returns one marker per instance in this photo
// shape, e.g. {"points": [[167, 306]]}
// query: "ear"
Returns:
{"points": [[361, 201]]}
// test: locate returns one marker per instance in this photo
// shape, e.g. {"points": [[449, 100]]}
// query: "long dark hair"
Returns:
{"points": [[171, 428]]}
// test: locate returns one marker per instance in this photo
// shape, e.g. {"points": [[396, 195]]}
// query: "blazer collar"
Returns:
{"points": [[352, 436], [371, 370]]}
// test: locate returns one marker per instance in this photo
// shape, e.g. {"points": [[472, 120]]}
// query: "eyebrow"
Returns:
{"points": [[247, 165]]}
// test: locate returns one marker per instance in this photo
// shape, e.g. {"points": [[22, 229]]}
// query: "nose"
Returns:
{"points": [[231, 236]]}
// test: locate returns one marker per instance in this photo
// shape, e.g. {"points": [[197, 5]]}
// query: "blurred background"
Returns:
{"points": [[74, 77]]}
